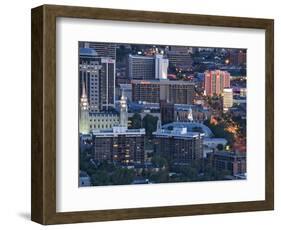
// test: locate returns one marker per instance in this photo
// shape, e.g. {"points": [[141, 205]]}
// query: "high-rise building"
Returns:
{"points": [[107, 84], [179, 57], [98, 73], [227, 98], [176, 92], [215, 81], [102, 49], [147, 67], [178, 145], [141, 67]]}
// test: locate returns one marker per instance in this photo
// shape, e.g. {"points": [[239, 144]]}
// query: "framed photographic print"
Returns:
{"points": [[140, 114]]}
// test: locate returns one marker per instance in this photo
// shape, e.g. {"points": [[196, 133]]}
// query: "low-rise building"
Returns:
{"points": [[106, 120], [178, 145], [229, 161], [119, 145]]}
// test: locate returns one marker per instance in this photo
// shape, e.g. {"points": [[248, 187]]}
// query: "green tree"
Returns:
{"points": [[100, 177], [135, 121], [161, 176], [189, 173], [159, 161], [150, 124], [122, 176]]}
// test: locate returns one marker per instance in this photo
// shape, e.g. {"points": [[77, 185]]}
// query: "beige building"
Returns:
{"points": [[152, 91], [103, 120], [227, 98]]}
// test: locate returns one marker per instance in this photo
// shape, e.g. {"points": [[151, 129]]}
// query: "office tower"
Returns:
{"points": [[176, 92], [107, 84], [102, 49], [161, 67], [141, 67], [179, 57], [178, 145], [227, 98], [99, 76], [215, 81]]}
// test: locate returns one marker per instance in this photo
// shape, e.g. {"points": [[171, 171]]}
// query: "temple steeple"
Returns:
{"points": [[123, 111], [84, 127], [190, 116]]}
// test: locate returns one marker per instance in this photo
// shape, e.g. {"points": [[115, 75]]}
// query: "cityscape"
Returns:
{"points": [[161, 114]]}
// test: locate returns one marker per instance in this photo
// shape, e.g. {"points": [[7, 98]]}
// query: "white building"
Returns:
{"points": [[227, 98], [161, 67]]}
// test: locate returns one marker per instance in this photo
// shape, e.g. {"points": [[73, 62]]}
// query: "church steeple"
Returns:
{"points": [[84, 127]]}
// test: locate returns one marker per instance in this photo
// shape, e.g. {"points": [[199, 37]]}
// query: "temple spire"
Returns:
{"points": [[123, 111], [84, 126], [83, 89], [159, 126], [190, 116]]}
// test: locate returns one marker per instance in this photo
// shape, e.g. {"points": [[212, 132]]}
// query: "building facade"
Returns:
{"points": [[181, 112], [215, 81], [103, 120], [178, 145], [226, 161], [102, 49], [179, 57], [176, 92], [161, 67], [147, 67], [227, 98], [141, 67], [119, 146], [237, 57]]}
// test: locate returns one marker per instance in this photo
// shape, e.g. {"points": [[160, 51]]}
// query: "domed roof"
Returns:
{"points": [[190, 127]]}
